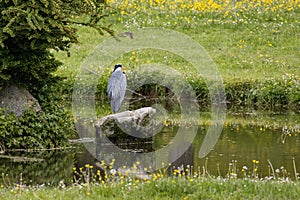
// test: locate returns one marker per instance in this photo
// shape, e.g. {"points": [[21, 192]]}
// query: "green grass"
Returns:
{"points": [[165, 188], [259, 47], [257, 53], [256, 61]]}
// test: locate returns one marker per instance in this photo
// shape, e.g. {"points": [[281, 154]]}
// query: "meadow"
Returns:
{"points": [[254, 44], [256, 47]]}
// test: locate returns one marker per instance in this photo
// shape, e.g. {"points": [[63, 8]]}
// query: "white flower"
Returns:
{"points": [[113, 171]]}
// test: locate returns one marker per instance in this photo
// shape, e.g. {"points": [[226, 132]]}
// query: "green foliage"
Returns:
{"points": [[47, 129], [270, 94], [35, 130], [29, 32], [239, 93], [282, 93], [30, 29], [201, 91]]}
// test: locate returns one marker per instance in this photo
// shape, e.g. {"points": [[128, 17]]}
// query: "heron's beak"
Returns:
{"points": [[124, 68]]}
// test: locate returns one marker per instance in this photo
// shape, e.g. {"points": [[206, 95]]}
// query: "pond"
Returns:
{"points": [[239, 150]]}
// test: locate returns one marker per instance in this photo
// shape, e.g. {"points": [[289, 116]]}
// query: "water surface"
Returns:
{"points": [[237, 146]]}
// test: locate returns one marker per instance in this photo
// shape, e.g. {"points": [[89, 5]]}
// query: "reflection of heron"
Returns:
{"points": [[116, 88]]}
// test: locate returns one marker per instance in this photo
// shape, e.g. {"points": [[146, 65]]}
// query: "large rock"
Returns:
{"points": [[139, 123], [121, 136], [17, 99]]}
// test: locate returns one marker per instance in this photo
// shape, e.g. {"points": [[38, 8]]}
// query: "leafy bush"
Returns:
{"points": [[284, 93], [46, 129], [29, 31], [35, 130]]}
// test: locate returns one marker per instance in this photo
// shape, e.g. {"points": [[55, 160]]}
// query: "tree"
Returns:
{"points": [[30, 29]]}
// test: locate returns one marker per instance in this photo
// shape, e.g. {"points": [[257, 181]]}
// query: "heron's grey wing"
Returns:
{"points": [[116, 87], [116, 90], [122, 86], [113, 80]]}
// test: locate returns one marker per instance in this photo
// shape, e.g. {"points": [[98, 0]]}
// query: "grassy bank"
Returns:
{"points": [[164, 188], [255, 46]]}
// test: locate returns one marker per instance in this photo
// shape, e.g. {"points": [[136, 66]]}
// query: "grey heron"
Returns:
{"points": [[116, 88]]}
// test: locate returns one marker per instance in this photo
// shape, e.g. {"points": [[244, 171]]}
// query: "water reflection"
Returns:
{"points": [[244, 146], [31, 168], [241, 147], [236, 145]]}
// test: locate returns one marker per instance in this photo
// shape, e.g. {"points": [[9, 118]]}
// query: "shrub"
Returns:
{"points": [[29, 32], [46, 129]]}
